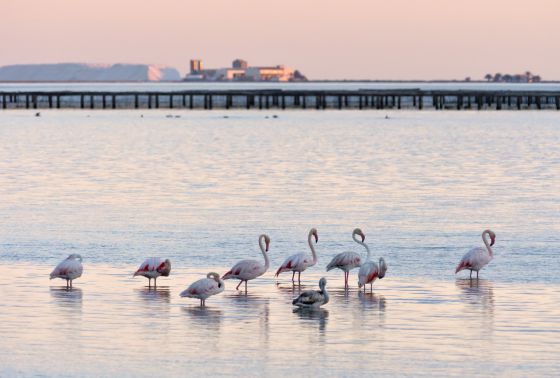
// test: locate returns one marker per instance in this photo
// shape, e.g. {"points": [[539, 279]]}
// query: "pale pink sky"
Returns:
{"points": [[325, 39]]}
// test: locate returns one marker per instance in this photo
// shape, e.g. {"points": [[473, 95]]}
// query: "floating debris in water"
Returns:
{"points": [[177, 116], [38, 114], [275, 116], [226, 116], [169, 116]]}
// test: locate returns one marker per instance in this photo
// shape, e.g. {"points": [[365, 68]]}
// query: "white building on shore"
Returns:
{"points": [[241, 71]]}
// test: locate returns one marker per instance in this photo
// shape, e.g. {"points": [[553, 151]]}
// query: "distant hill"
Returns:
{"points": [[64, 72]]}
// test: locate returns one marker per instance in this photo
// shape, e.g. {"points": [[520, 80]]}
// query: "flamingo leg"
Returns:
{"points": [[149, 282], [67, 284], [477, 274], [239, 284], [245, 287], [293, 275], [155, 282], [299, 278], [470, 275], [201, 302], [71, 284], [346, 279], [371, 287]]}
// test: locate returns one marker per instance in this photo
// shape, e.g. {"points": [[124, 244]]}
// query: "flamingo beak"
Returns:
{"points": [[267, 244], [492, 239], [316, 238], [363, 237]]}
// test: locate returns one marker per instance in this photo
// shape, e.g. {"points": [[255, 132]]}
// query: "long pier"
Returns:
{"points": [[284, 99]]}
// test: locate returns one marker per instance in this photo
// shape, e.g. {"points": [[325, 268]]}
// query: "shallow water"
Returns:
{"points": [[117, 187]]}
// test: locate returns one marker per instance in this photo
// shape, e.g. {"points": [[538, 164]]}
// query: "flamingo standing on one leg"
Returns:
{"points": [[369, 271], [312, 298], [478, 258], [153, 267], [69, 269], [204, 288], [301, 261], [246, 270], [347, 261]]}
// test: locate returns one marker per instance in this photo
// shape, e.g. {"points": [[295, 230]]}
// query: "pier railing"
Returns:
{"points": [[283, 99]]}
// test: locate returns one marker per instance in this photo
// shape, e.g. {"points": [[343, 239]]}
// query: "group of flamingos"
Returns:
{"points": [[246, 270]]}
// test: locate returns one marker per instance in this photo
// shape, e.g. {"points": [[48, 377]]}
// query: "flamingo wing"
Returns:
{"points": [[151, 264], [308, 298], [368, 273], [69, 268], [297, 262], [203, 288], [469, 260], [345, 260], [245, 269]]}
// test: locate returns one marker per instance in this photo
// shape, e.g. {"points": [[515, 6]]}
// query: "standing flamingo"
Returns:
{"points": [[153, 267], [301, 261], [347, 261], [369, 271], [313, 298], [69, 269], [477, 258], [246, 270], [204, 288]]}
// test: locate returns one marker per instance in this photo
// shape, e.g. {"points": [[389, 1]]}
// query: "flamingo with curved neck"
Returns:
{"points": [[301, 261], [204, 288], [478, 258], [347, 261], [246, 270], [313, 298]]}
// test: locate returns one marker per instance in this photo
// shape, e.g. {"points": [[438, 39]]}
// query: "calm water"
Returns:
{"points": [[199, 188]]}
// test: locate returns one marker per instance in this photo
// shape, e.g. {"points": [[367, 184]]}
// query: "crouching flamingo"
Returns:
{"points": [[478, 258], [246, 270], [69, 269], [301, 261], [204, 288], [313, 298], [153, 267], [347, 261], [370, 271]]}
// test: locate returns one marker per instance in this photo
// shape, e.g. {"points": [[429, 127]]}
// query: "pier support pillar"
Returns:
{"points": [[104, 101], [135, 101], [114, 101]]}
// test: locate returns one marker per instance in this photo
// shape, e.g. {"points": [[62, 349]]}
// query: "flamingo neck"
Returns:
{"points": [[313, 253], [486, 243], [263, 250], [363, 245]]}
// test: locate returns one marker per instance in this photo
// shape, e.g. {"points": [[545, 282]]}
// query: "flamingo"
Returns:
{"points": [[246, 270], [153, 267], [69, 269], [347, 261], [369, 271], [313, 298], [477, 258], [301, 261], [204, 288]]}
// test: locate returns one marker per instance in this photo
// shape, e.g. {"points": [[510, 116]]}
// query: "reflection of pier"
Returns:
{"points": [[284, 99]]}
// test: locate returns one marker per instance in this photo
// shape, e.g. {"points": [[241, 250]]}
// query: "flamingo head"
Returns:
{"points": [[492, 236], [267, 242], [357, 231], [314, 233], [322, 283], [213, 275], [166, 268], [74, 256], [382, 268]]}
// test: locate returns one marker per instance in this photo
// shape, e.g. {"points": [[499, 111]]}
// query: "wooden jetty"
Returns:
{"points": [[284, 99]]}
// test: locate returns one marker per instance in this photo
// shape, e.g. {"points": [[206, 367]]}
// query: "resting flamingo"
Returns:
{"points": [[347, 261], [313, 298], [153, 267], [204, 288], [369, 271], [478, 258], [301, 261], [69, 269], [246, 270]]}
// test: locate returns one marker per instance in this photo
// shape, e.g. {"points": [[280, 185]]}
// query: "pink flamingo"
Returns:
{"points": [[246, 270], [478, 258], [204, 288], [153, 267], [347, 261], [69, 269], [369, 271], [301, 261]]}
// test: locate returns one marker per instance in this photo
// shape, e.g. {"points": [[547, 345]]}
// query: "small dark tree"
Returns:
{"points": [[498, 77], [536, 79], [488, 77]]}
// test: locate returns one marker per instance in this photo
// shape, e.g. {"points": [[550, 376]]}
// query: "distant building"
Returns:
{"points": [[196, 66], [240, 63], [241, 71]]}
